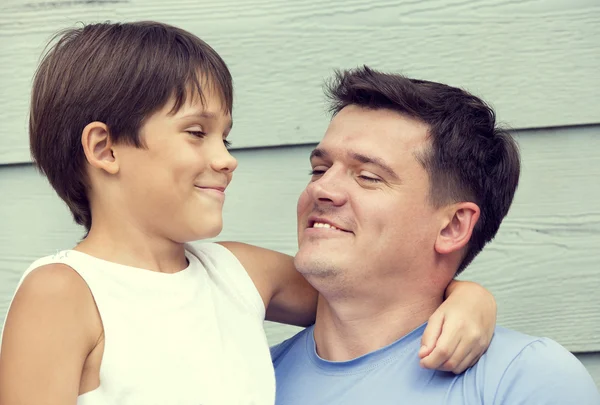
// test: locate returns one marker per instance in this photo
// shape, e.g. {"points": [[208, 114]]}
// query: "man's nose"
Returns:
{"points": [[328, 189]]}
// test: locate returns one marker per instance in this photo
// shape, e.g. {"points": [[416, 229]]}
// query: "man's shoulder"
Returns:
{"points": [[281, 350], [510, 350], [520, 366], [509, 345]]}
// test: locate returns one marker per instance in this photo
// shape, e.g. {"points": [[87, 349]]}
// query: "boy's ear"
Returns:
{"points": [[98, 147], [458, 227]]}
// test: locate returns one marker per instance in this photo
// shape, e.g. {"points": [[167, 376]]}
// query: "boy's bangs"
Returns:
{"points": [[197, 84]]}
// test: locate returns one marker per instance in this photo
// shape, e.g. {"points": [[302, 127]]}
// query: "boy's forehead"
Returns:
{"points": [[201, 93], [210, 104], [203, 113]]}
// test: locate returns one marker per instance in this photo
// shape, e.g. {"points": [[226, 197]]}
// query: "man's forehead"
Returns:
{"points": [[375, 131], [395, 150], [356, 157]]}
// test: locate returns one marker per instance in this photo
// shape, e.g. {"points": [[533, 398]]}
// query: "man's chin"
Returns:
{"points": [[315, 264]]}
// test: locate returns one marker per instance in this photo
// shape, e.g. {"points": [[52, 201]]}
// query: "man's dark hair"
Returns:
{"points": [[469, 157], [118, 74]]}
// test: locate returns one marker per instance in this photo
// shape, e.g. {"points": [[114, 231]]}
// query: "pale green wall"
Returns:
{"points": [[536, 62]]}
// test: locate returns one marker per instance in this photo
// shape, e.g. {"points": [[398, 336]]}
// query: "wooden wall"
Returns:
{"points": [[535, 61]]}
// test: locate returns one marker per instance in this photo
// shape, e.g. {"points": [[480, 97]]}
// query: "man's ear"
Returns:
{"points": [[98, 147], [456, 232]]}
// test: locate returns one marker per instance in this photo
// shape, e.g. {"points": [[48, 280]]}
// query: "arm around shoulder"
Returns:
{"points": [[287, 296], [545, 373], [48, 334]]}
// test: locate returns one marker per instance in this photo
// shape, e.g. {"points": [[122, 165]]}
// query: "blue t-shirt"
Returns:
{"points": [[516, 369]]}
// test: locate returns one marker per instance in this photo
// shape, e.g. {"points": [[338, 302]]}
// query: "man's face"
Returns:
{"points": [[365, 215]]}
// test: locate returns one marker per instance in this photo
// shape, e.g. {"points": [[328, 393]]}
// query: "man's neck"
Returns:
{"points": [[352, 327]]}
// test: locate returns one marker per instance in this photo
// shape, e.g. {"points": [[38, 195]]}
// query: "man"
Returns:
{"points": [[409, 183]]}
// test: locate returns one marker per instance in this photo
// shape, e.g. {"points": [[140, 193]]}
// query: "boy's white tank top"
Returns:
{"points": [[194, 337]]}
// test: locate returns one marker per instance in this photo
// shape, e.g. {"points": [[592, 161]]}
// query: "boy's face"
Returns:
{"points": [[174, 187]]}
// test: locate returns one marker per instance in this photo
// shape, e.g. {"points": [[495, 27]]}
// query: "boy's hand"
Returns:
{"points": [[460, 330]]}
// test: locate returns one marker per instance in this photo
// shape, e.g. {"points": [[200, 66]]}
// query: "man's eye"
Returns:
{"points": [[369, 179], [316, 172]]}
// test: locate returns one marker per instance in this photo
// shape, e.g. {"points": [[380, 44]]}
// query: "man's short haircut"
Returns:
{"points": [[469, 158], [118, 74]]}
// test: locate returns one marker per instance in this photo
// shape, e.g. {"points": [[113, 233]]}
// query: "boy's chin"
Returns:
{"points": [[207, 231]]}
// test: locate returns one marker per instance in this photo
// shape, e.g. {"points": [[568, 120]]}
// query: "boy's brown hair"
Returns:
{"points": [[118, 74]]}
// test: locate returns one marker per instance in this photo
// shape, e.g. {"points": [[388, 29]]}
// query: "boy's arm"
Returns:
{"points": [[49, 332], [287, 296], [458, 333]]}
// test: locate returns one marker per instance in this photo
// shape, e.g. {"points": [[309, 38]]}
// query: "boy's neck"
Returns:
{"points": [[128, 245]]}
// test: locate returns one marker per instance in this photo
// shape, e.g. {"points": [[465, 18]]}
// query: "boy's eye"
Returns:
{"points": [[198, 134], [227, 143]]}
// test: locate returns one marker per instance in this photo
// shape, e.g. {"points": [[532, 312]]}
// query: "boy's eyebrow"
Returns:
{"points": [[206, 114]]}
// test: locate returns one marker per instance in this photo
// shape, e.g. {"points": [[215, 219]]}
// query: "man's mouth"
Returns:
{"points": [[324, 224]]}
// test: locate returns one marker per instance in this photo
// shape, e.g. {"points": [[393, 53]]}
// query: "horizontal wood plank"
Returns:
{"points": [[535, 61]]}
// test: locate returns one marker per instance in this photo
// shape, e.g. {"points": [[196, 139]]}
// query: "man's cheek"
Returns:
{"points": [[303, 204]]}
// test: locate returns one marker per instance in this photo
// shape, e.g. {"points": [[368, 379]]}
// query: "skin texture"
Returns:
{"points": [[53, 325], [386, 255], [145, 204]]}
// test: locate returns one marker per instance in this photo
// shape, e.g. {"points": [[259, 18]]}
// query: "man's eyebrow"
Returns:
{"points": [[375, 161], [319, 153], [323, 154], [206, 114]]}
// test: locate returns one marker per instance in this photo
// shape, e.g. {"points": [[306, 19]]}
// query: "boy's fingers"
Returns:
{"points": [[443, 351], [431, 334]]}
